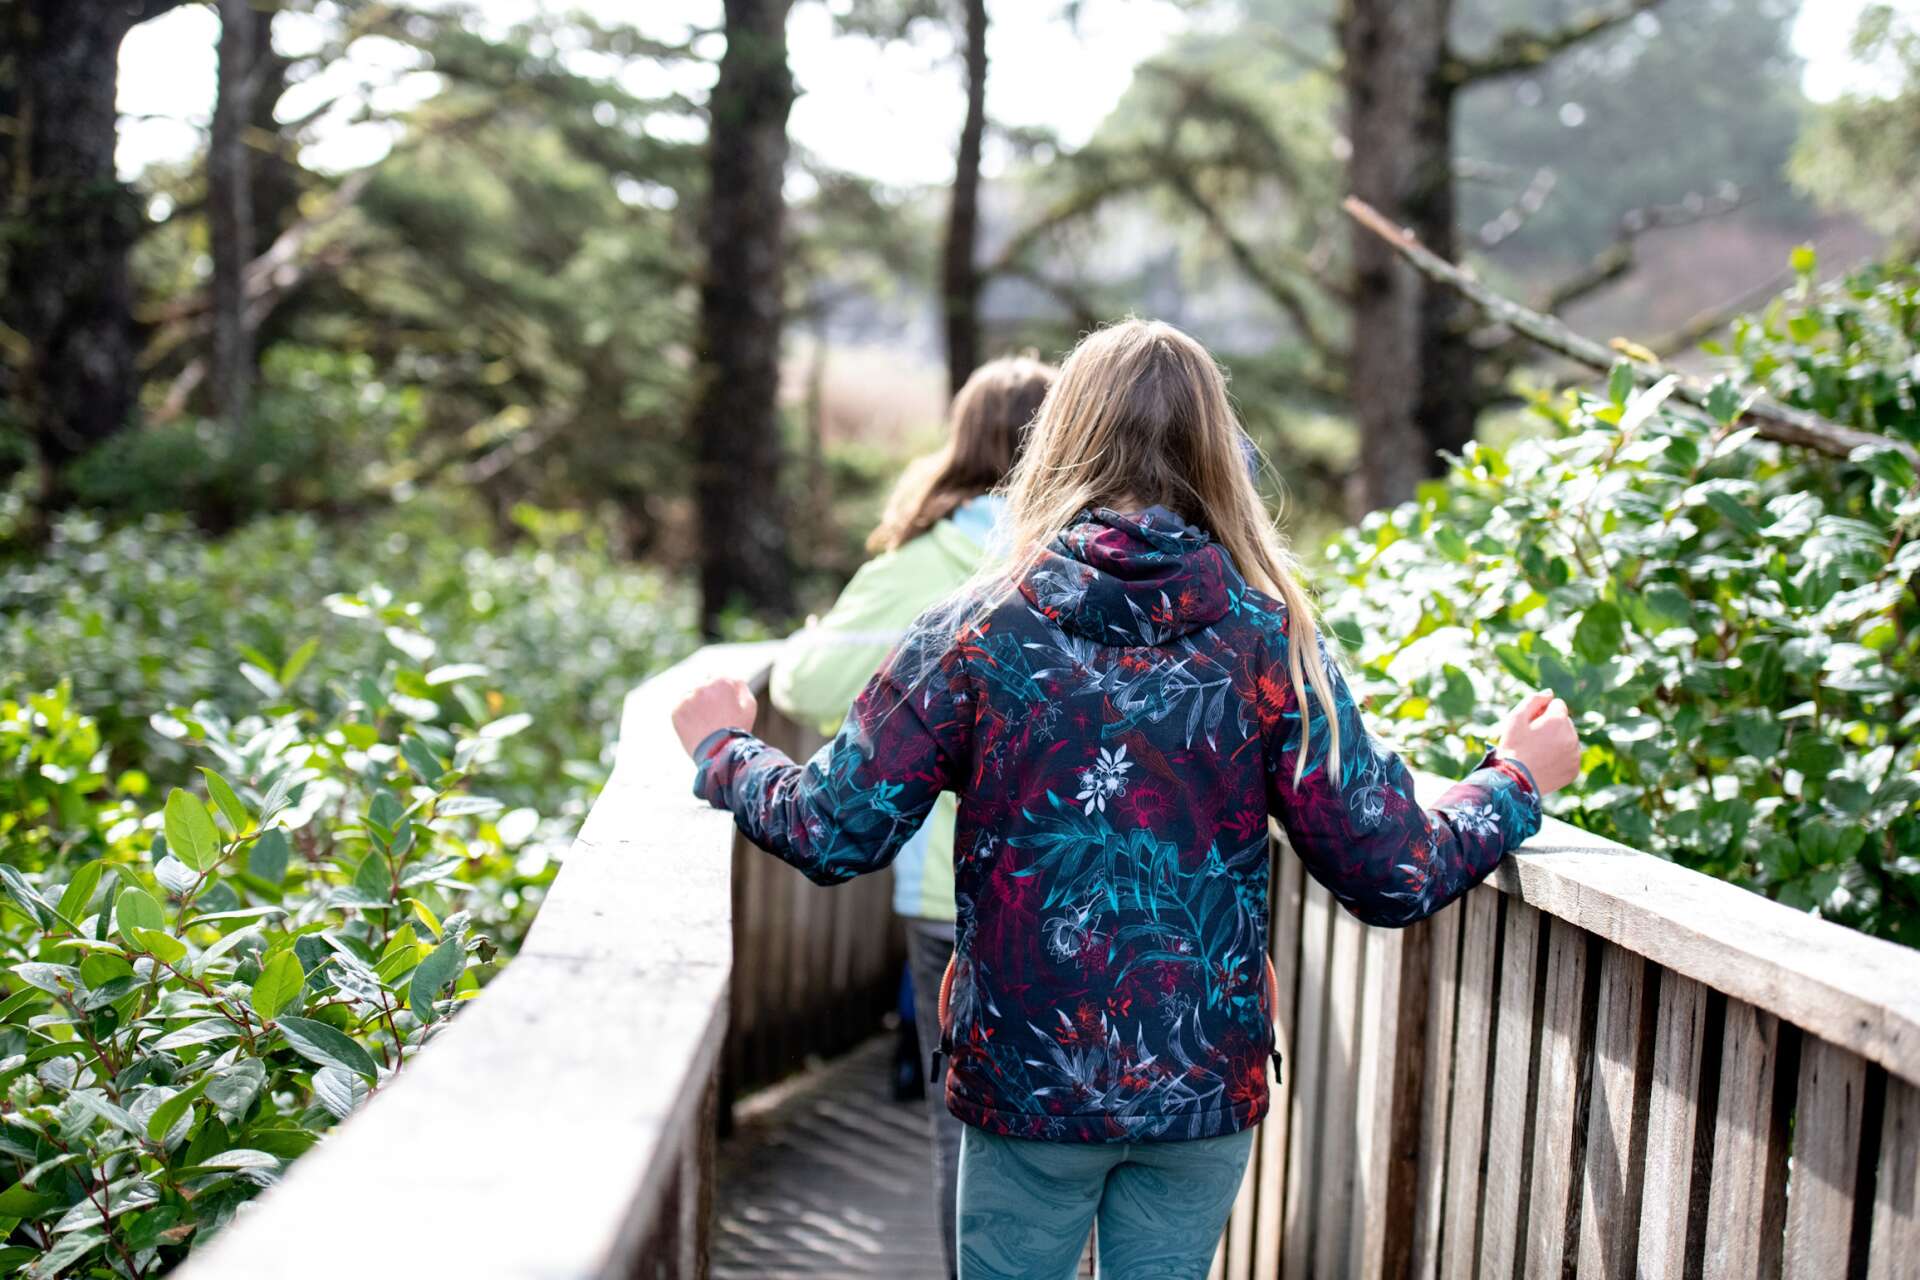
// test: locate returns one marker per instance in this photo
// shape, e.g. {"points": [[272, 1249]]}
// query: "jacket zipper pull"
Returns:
{"points": [[933, 1067], [1276, 1067]]}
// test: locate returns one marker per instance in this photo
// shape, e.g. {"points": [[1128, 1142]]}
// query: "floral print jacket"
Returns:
{"points": [[1118, 731]]}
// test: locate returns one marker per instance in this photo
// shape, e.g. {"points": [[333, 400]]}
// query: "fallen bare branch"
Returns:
{"points": [[1773, 420]]}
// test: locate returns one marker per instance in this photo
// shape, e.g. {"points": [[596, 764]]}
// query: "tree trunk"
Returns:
{"points": [[960, 290], [68, 287], [230, 209], [1411, 365], [276, 185], [744, 553]]}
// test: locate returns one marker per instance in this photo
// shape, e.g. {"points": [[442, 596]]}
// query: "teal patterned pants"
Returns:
{"points": [[1026, 1205]]}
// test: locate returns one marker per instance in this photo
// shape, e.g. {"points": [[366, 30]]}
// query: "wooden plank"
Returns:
{"points": [[1894, 1246], [1436, 1091], [1552, 1197], [1339, 1097], [1270, 1200], [1472, 1058], [1826, 1159], [1860, 993], [1393, 1000], [1666, 1189], [1746, 1208], [1509, 1128], [1309, 1115], [1617, 1116]]}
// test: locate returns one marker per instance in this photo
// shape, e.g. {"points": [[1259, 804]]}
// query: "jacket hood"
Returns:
{"points": [[1141, 579]]}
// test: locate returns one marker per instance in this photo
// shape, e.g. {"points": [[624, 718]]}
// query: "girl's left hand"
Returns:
{"points": [[718, 704]]}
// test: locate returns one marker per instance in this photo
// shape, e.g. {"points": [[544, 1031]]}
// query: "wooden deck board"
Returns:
{"points": [[834, 1178]]}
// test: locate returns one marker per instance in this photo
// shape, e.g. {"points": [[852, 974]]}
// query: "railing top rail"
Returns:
{"points": [[530, 1137], [1859, 992]]}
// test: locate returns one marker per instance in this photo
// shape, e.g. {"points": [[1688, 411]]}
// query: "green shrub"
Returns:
{"points": [[322, 423], [197, 990], [1734, 623], [395, 729], [153, 615]]}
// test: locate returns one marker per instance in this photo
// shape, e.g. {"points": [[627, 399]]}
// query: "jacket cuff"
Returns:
{"points": [[1511, 765], [1519, 779], [705, 752]]}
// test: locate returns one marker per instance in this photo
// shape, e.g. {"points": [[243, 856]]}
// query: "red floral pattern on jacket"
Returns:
{"points": [[1118, 732]]}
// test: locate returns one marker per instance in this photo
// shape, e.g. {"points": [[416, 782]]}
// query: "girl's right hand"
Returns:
{"points": [[1540, 734]]}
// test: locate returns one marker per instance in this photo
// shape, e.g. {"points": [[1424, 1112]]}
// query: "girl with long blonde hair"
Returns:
{"points": [[1120, 703]]}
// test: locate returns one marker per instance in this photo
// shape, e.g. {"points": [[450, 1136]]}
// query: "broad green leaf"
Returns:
{"points": [[55, 979], [19, 1201], [227, 800], [1620, 382], [506, 726], [268, 857], [278, 985], [1600, 633], [373, 879], [327, 1046], [175, 876], [441, 967], [100, 968], [420, 758], [426, 916], [233, 1089], [416, 646], [1642, 407], [137, 909], [159, 943], [263, 680], [101, 1107], [338, 1091], [467, 806], [26, 895], [168, 1113], [79, 891], [230, 1160], [297, 662], [224, 945], [191, 835], [69, 1250]]}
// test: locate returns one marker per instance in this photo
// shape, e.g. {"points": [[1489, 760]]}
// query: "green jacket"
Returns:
{"points": [[820, 670]]}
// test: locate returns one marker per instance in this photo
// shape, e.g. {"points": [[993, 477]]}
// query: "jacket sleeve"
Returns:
{"points": [[819, 671], [851, 807], [1362, 832]]}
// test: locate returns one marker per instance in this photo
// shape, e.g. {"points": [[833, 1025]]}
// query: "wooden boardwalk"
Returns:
{"points": [[826, 1175]]}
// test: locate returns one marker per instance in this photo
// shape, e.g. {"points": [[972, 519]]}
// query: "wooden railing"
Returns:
{"points": [[564, 1124], [1598, 1063]]}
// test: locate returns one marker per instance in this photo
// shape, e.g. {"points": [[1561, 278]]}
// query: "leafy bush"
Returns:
{"points": [[197, 990], [322, 423], [152, 616], [1734, 623], [394, 728]]}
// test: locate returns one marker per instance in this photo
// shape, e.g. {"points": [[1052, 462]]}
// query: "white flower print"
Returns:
{"points": [[1105, 780], [1476, 820], [1067, 934]]}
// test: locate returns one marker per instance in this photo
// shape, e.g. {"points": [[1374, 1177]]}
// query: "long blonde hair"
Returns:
{"points": [[1140, 411], [985, 427]]}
